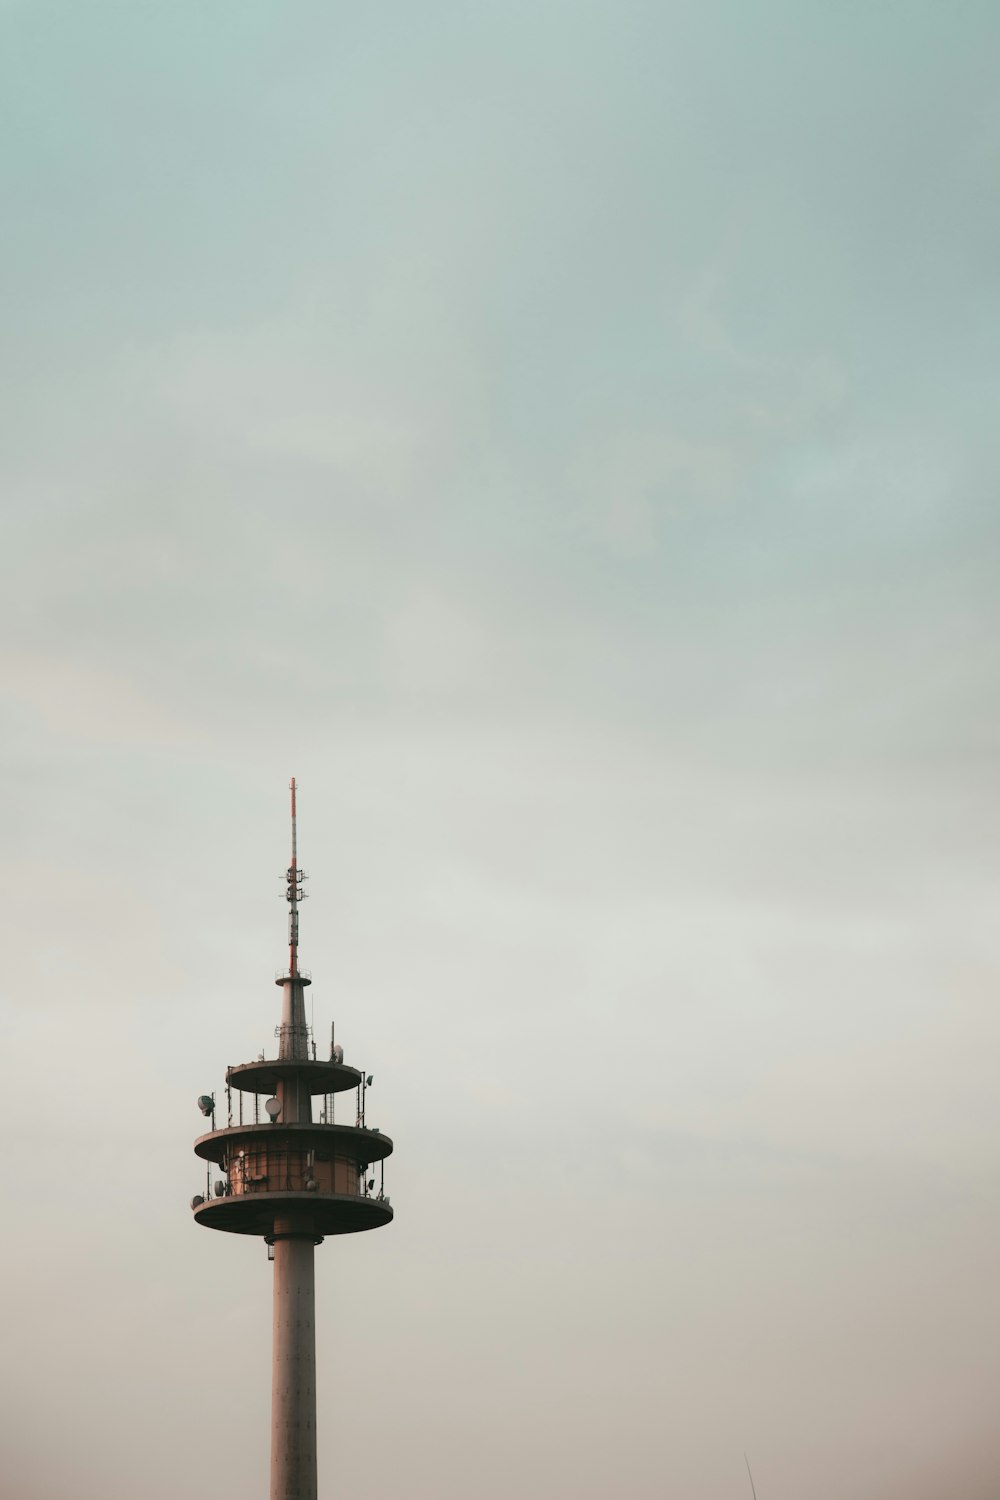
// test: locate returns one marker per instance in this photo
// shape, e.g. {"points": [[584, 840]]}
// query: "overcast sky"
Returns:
{"points": [[564, 435]]}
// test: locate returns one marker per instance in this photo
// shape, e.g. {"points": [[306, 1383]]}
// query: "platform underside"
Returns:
{"points": [[329, 1213]]}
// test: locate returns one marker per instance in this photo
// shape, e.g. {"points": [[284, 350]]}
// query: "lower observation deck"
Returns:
{"points": [[327, 1213]]}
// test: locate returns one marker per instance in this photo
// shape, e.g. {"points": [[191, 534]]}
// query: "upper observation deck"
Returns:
{"points": [[319, 1077]]}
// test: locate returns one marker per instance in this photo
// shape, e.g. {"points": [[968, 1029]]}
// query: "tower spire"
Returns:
{"points": [[294, 894]]}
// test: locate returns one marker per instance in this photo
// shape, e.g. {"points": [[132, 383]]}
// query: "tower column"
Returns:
{"points": [[293, 1365]]}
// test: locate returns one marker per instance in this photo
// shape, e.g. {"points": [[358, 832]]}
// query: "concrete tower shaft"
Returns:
{"points": [[292, 1179], [293, 1364]]}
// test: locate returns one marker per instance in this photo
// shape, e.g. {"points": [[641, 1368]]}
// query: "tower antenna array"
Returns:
{"points": [[294, 894]]}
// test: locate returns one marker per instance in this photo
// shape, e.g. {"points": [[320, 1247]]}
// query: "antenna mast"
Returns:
{"points": [[294, 894]]}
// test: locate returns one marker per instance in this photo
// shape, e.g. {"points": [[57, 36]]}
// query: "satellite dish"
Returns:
{"points": [[371, 1183], [272, 1108], [368, 1080], [197, 1200], [206, 1104], [220, 1188]]}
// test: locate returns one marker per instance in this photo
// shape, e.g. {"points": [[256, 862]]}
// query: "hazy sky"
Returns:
{"points": [[564, 435]]}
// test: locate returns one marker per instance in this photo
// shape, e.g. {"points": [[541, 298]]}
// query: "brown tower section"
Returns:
{"points": [[293, 1179]]}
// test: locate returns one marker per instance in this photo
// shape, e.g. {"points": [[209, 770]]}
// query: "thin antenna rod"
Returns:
{"points": [[752, 1485], [295, 846], [294, 894]]}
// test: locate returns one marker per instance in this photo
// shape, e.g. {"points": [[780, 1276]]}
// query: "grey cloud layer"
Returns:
{"points": [[563, 437]]}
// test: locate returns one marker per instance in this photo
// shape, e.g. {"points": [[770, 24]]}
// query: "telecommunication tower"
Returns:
{"points": [[292, 1179]]}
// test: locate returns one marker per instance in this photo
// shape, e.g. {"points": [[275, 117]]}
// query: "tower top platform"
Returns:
{"points": [[318, 1077], [286, 976]]}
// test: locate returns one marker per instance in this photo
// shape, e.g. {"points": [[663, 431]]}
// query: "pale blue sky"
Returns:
{"points": [[564, 436]]}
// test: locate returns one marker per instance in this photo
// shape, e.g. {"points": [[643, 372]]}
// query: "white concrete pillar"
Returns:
{"points": [[293, 1367]]}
